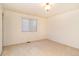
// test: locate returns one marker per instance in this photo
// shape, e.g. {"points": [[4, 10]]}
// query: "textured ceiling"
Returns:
{"points": [[37, 10]]}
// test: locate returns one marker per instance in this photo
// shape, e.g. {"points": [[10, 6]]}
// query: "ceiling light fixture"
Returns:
{"points": [[47, 6]]}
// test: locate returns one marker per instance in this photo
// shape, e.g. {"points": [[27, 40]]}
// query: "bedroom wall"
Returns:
{"points": [[0, 29], [64, 28], [12, 28]]}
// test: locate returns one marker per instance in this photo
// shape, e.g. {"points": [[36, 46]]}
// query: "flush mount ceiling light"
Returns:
{"points": [[47, 6]]}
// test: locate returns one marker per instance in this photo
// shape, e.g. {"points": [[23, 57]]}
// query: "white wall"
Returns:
{"points": [[64, 28], [0, 29], [12, 28]]}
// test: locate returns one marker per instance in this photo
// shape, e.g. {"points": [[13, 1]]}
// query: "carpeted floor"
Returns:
{"points": [[40, 48]]}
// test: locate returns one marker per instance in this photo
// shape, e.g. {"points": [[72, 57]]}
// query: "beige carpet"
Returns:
{"points": [[40, 48]]}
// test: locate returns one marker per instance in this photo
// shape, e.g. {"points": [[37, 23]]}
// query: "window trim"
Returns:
{"points": [[29, 22]]}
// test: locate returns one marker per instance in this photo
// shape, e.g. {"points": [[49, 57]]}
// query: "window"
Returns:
{"points": [[29, 25]]}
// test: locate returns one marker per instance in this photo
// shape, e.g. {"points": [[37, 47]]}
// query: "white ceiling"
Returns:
{"points": [[38, 10]]}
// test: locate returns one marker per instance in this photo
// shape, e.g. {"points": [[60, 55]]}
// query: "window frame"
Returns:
{"points": [[23, 18]]}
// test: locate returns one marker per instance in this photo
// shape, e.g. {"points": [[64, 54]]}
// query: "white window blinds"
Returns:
{"points": [[29, 25]]}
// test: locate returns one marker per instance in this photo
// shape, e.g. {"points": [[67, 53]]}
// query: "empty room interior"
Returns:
{"points": [[39, 29]]}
